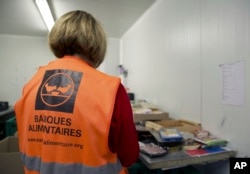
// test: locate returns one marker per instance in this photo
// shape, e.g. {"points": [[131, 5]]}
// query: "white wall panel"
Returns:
{"points": [[20, 56], [173, 55], [112, 56], [162, 52], [225, 39]]}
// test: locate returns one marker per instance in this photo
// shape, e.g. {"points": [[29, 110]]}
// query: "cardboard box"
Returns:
{"points": [[150, 116], [10, 160], [181, 125]]}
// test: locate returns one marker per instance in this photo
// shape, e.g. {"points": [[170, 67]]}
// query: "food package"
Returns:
{"points": [[152, 149]]}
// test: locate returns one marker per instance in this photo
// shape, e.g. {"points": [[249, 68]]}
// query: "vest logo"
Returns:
{"points": [[239, 165], [58, 90]]}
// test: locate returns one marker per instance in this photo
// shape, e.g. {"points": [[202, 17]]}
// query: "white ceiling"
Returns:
{"points": [[21, 17]]}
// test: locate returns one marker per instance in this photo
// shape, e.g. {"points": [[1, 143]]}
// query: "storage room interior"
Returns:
{"points": [[174, 52]]}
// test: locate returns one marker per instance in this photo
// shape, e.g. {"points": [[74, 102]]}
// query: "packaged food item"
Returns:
{"points": [[201, 134], [211, 141], [190, 144], [170, 135], [152, 149]]}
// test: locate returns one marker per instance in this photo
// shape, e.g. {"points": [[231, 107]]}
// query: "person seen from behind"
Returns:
{"points": [[72, 118]]}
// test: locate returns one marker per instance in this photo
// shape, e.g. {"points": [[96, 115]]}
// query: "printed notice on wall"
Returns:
{"points": [[233, 83]]}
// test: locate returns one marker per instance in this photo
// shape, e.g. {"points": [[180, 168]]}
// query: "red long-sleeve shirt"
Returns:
{"points": [[123, 138]]}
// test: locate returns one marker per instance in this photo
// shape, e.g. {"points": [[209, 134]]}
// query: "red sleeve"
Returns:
{"points": [[123, 138]]}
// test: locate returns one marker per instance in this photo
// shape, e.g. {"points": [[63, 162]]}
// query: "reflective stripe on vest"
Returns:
{"points": [[35, 164]]}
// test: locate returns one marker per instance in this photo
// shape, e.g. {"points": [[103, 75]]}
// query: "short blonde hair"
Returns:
{"points": [[78, 32]]}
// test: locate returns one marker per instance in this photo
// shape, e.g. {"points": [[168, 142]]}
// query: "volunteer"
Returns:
{"points": [[72, 118]]}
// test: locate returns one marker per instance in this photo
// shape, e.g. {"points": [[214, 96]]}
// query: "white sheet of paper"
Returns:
{"points": [[233, 83]]}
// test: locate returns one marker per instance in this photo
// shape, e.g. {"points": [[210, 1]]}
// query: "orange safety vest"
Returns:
{"points": [[63, 120]]}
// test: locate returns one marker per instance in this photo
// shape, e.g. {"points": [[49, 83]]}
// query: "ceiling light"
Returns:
{"points": [[46, 13]]}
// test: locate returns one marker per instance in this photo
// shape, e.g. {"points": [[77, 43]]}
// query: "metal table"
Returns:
{"points": [[182, 159]]}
